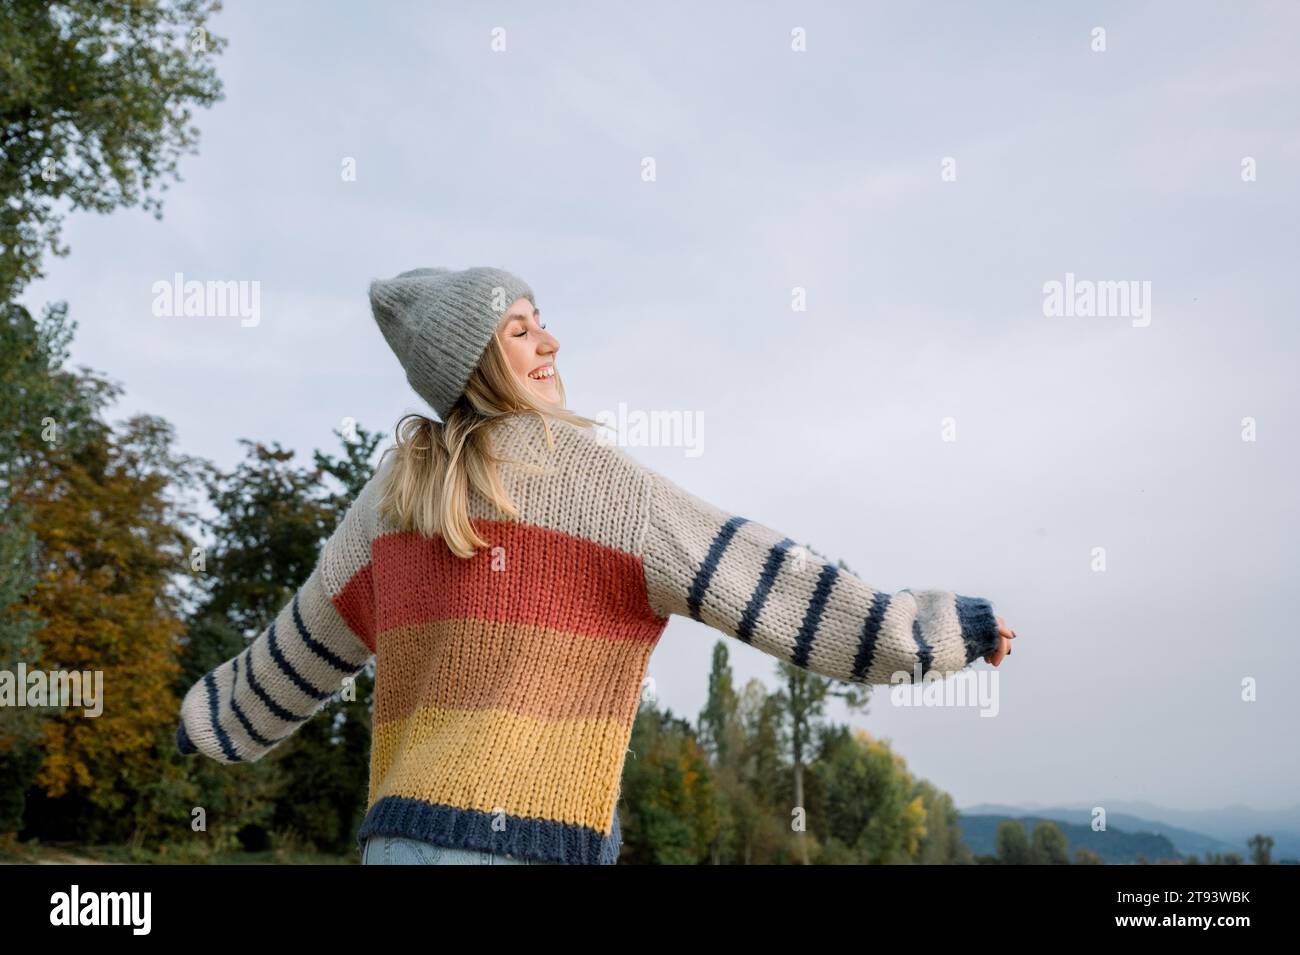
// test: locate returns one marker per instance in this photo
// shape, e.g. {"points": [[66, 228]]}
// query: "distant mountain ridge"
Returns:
{"points": [[1191, 832], [1115, 846]]}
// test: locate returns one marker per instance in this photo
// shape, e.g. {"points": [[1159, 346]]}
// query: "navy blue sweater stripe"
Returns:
{"points": [[227, 747], [812, 617], [700, 586], [253, 734], [870, 633], [766, 579], [184, 744], [458, 828], [271, 705], [273, 645], [979, 626], [322, 651], [923, 650]]}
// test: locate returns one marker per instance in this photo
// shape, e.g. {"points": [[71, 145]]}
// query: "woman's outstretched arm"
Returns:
{"points": [[246, 706], [754, 583]]}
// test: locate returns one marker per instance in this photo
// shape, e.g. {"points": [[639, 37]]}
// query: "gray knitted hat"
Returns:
{"points": [[439, 323]]}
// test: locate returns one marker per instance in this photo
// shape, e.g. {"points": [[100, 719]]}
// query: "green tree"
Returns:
{"points": [[105, 539], [1012, 843], [718, 727], [759, 805], [95, 107], [668, 791], [942, 843], [33, 390], [1261, 849], [110, 545], [873, 813], [803, 702], [722, 737], [1049, 845]]}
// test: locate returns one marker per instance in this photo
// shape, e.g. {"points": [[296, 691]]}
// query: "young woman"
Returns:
{"points": [[511, 571]]}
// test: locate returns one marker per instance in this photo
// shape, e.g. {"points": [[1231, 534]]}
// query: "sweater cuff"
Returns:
{"points": [[184, 745], [979, 626]]}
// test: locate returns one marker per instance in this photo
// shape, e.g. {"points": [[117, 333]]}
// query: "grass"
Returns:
{"points": [[38, 853]]}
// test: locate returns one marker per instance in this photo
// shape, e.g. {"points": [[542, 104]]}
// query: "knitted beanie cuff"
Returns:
{"points": [[439, 323]]}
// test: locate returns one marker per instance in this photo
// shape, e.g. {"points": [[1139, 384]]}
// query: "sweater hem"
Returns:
{"points": [[545, 840]]}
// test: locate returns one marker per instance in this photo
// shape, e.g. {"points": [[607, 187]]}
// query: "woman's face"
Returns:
{"points": [[530, 349]]}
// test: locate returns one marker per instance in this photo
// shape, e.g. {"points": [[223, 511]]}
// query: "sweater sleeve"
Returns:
{"points": [[754, 583], [248, 705]]}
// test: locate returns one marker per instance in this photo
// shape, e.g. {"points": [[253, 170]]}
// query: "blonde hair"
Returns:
{"points": [[435, 464]]}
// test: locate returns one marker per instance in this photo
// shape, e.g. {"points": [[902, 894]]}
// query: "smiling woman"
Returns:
{"points": [[511, 573], [474, 374], [530, 350]]}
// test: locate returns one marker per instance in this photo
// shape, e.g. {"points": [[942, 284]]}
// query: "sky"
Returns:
{"points": [[837, 268]]}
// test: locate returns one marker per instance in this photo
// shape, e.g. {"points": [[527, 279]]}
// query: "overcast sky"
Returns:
{"points": [[828, 170]]}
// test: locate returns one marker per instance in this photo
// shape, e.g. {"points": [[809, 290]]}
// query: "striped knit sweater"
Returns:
{"points": [[506, 684]]}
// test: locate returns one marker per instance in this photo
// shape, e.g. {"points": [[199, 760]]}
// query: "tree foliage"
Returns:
{"points": [[96, 98]]}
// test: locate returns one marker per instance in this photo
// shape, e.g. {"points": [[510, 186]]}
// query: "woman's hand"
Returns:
{"points": [[1005, 636]]}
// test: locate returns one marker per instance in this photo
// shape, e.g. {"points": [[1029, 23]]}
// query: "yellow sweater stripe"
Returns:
{"points": [[470, 759]]}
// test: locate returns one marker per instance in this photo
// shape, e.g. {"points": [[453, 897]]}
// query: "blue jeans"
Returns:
{"points": [[398, 850]]}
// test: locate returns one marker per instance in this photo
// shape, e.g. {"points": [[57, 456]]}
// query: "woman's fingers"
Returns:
{"points": [[1003, 650], [1005, 636]]}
